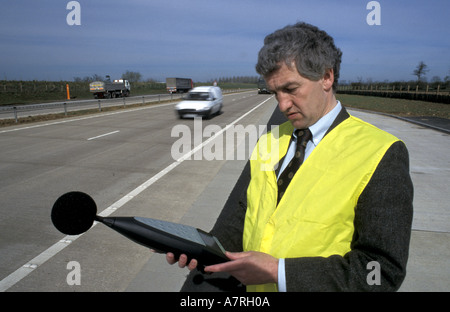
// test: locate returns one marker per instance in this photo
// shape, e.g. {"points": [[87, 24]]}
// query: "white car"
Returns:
{"points": [[201, 101]]}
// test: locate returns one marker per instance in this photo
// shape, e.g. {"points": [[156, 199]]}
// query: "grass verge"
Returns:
{"points": [[398, 107]]}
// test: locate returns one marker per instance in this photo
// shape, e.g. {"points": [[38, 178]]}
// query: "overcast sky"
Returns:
{"points": [[207, 39]]}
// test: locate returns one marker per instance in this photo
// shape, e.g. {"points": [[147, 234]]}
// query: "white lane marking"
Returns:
{"points": [[102, 135], [30, 266]]}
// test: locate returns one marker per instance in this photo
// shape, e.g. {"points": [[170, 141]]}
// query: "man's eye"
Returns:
{"points": [[290, 90]]}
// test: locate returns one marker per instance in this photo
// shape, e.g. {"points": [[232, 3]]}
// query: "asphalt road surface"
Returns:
{"points": [[124, 161]]}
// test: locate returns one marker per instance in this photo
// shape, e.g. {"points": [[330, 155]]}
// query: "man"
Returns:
{"points": [[345, 211]]}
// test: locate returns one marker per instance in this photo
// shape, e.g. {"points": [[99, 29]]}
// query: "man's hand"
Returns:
{"points": [[250, 267], [182, 261]]}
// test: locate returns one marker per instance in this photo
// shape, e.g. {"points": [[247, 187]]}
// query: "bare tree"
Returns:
{"points": [[420, 71]]}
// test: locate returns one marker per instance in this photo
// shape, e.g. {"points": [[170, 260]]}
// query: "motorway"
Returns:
{"points": [[124, 161]]}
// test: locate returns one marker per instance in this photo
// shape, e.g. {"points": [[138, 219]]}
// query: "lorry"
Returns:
{"points": [[108, 89], [179, 85]]}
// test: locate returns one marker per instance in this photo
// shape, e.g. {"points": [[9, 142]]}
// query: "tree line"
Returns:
{"points": [[420, 72]]}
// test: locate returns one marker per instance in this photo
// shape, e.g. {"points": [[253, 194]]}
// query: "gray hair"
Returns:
{"points": [[312, 50]]}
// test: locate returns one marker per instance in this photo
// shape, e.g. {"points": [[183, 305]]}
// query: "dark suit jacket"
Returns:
{"points": [[383, 218]]}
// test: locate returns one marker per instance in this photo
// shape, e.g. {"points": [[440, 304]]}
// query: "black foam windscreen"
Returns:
{"points": [[74, 213]]}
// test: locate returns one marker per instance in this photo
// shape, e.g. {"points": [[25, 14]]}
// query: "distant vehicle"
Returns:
{"points": [[201, 101], [179, 85], [108, 89], [262, 87]]}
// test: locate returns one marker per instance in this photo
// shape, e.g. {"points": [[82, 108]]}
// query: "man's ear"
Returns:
{"points": [[328, 79]]}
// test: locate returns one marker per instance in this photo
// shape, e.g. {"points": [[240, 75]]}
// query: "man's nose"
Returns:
{"points": [[284, 102]]}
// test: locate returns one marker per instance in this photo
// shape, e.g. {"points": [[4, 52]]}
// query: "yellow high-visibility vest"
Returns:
{"points": [[315, 216]]}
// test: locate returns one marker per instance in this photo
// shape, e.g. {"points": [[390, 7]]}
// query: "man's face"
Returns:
{"points": [[301, 100]]}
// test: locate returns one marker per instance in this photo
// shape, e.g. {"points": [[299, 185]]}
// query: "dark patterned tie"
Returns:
{"points": [[303, 136]]}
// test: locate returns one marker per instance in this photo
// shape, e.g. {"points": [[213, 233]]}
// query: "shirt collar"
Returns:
{"points": [[321, 127]]}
